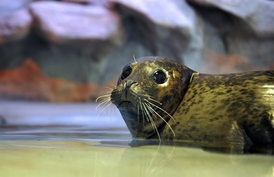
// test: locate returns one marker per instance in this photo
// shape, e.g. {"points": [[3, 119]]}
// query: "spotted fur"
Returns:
{"points": [[227, 108]]}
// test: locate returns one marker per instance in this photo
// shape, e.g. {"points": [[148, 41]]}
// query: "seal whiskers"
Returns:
{"points": [[150, 108], [106, 97], [134, 59], [154, 100], [160, 109], [106, 101], [164, 98], [143, 108], [155, 59], [148, 114], [138, 111], [147, 110], [143, 113]]}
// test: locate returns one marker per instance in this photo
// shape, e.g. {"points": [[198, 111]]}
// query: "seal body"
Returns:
{"points": [[160, 98]]}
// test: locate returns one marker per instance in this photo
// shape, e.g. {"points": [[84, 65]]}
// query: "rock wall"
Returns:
{"points": [[69, 50]]}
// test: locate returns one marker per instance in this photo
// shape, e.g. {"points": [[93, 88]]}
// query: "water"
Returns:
{"points": [[88, 146]]}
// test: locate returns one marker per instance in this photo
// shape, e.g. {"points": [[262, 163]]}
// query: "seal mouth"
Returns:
{"points": [[125, 104]]}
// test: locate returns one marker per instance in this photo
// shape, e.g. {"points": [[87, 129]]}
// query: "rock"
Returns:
{"points": [[26, 81], [257, 13], [78, 46], [15, 25], [217, 63], [237, 28], [63, 61], [82, 1], [30, 83], [90, 31], [68, 21], [8, 7], [151, 24]]}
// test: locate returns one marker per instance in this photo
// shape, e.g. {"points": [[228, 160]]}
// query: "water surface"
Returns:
{"points": [[40, 139]]}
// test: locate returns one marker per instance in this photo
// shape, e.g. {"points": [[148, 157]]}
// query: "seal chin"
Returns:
{"points": [[125, 104]]}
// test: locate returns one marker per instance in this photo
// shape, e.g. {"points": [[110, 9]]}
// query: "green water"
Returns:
{"points": [[47, 153], [63, 140]]}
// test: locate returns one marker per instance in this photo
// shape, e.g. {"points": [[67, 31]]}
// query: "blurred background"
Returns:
{"points": [[58, 56], [69, 51]]}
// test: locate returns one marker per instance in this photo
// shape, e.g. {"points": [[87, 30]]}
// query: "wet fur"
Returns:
{"points": [[232, 108], [226, 109]]}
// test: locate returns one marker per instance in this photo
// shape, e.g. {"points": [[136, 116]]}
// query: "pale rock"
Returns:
{"points": [[15, 25], [167, 28], [68, 21]]}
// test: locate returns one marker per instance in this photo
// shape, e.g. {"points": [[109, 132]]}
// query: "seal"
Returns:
{"points": [[160, 98]]}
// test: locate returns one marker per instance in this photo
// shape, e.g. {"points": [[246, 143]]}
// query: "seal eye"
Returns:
{"points": [[126, 72], [159, 76]]}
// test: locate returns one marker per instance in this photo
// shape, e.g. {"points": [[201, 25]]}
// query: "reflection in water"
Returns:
{"points": [[81, 158], [104, 148], [73, 154], [173, 160], [217, 148]]}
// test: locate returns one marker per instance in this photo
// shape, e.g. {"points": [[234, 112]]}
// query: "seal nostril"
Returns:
{"points": [[129, 83]]}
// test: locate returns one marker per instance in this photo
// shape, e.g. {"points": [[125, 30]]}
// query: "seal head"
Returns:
{"points": [[148, 92]]}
